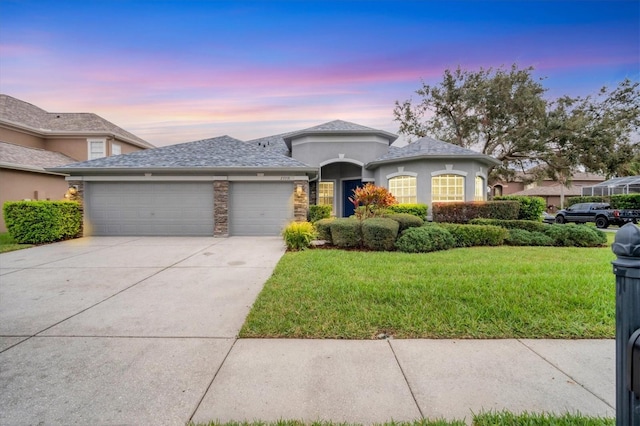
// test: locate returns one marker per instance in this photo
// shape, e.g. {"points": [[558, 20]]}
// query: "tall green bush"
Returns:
{"points": [[586, 199], [626, 201], [379, 233], [37, 222], [419, 210], [317, 212], [531, 208]]}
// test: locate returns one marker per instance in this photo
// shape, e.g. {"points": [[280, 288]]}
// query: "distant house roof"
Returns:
{"points": [[30, 159], [427, 147], [577, 176], [551, 191], [223, 152], [27, 116]]}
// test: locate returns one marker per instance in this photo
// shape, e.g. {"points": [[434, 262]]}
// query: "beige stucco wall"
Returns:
{"points": [[75, 148], [20, 138], [18, 185]]}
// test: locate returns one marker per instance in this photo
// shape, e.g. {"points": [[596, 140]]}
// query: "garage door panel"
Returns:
{"points": [[260, 208], [150, 208]]}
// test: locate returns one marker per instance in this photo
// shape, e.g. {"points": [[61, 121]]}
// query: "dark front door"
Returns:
{"points": [[347, 191]]}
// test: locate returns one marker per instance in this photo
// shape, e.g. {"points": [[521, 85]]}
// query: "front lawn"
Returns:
{"points": [[479, 292], [8, 244]]}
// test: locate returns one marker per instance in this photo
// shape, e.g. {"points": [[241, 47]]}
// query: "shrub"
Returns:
{"points": [[406, 220], [576, 235], [531, 208], [626, 201], [379, 233], [476, 235], [425, 239], [323, 229], [37, 222], [319, 212], [522, 237], [369, 199], [419, 210], [298, 235], [346, 232], [464, 212], [528, 225]]}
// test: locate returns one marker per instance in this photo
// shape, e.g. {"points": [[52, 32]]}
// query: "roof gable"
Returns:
{"points": [[427, 147]]}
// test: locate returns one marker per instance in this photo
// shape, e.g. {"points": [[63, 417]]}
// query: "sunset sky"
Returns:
{"points": [[178, 71]]}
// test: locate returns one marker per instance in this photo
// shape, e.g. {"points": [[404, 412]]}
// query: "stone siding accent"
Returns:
{"points": [[221, 208], [79, 185], [300, 201]]}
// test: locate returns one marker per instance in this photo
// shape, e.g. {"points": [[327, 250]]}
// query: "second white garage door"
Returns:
{"points": [[260, 208]]}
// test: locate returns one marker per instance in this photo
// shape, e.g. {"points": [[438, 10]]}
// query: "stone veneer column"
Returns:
{"points": [[79, 185], [300, 201], [221, 208]]}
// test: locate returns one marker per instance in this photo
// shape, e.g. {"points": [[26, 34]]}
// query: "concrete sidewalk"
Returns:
{"points": [[143, 331]]}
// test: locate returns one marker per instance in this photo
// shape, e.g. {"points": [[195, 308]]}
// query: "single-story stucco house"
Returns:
{"points": [[224, 186]]}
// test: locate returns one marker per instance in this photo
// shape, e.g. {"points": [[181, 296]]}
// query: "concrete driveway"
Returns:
{"points": [[115, 330]]}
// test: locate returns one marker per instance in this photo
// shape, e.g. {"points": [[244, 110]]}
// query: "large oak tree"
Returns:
{"points": [[504, 113]]}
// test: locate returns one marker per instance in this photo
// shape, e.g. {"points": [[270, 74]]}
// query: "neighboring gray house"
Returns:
{"points": [[224, 186]]}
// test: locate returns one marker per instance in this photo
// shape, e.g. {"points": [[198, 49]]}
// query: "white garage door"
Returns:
{"points": [[260, 208], [150, 208]]}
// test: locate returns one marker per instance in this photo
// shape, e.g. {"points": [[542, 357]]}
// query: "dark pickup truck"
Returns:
{"points": [[600, 213]]}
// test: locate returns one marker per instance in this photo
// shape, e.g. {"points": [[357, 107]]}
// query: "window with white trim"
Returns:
{"points": [[116, 149], [404, 188], [97, 148], [479, 195], [447, 188], [326, 191]]}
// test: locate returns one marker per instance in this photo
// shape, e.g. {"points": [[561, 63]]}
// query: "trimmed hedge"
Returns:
{"points": [[319, 212], [528, 225], [323, 229], [626, 201], [476, 235], [418, 209], [572, 235], [37, 222], [425, 239], [464, 212], [587, 199], [406, 220], [379, 233], [346, 232], [522, 237], [531, 208]]}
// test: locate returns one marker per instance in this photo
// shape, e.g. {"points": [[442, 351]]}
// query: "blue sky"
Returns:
{"points": [[176, 71]]}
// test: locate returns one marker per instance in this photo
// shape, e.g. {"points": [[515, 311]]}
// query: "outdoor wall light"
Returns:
{"points": [[299, 189]]}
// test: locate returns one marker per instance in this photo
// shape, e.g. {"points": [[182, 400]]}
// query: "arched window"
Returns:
{"points": [[480, 191], [404, 189], [446, 188], [497, 190]]}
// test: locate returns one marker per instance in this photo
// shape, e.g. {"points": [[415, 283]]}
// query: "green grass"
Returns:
{"points": [[480, 292], [502, 418], [8, 244]]}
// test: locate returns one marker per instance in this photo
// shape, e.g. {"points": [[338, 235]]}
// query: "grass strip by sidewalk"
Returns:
{"points": [[502, 418], [479, 292], [7, 243]]}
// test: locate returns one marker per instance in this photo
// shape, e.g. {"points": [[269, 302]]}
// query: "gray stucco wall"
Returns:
{"points": [[318, 150], [424, 169]]}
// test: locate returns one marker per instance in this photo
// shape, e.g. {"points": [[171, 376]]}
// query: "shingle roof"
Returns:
{"points": [[427, 147], [22, 157], [550, 191], [221, 152], [275, 143], [338, 127], [24, 114]]}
